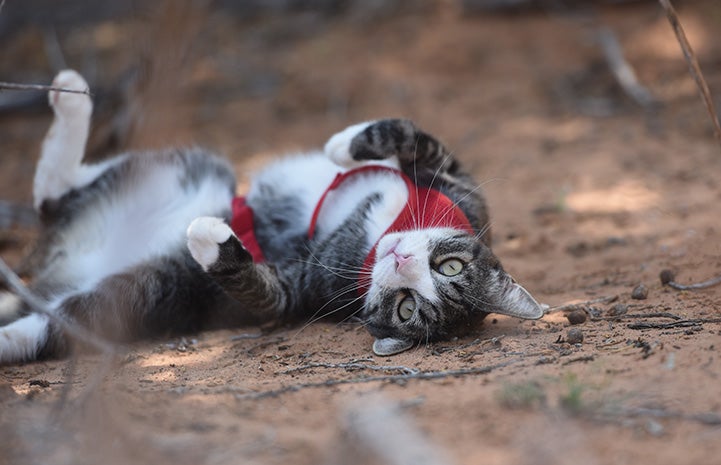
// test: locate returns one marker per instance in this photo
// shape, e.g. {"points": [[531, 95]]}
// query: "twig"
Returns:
{"points": [[622, 70], [667, 279], [377, 429], [351, 366], [493, 340], [12, 214], [423, 375], [14, 86], [693, 65], [579, 305], [641, 315], [582, 358], [706, 418], [674, 324], [78, 332]]}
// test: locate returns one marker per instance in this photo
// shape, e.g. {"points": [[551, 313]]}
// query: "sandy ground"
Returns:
{"points": [[591, 195]]}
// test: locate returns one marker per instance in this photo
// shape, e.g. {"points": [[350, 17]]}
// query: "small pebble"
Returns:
{"points": [[618, 310], [574, 336], [639, 292], [576, 317]]}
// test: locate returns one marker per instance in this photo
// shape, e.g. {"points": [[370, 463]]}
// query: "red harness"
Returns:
{"points": [[425, 208]]}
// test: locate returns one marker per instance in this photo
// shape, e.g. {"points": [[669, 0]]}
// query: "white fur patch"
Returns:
{"points": [[22, 339], [145, 219], [204, 236], [416, 274]]}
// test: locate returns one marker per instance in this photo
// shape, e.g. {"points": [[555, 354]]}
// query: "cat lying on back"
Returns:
{"points": [[383, 225]]}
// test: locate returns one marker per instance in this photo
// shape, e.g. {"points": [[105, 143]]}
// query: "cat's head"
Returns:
{"points": [[429, 284]]}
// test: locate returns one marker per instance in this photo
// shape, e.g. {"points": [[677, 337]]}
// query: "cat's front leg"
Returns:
{"points": [[257, 287], [395, 142]]}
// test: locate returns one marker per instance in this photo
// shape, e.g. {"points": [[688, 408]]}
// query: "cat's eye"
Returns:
{"points": [[451, 267], [406, 308]]}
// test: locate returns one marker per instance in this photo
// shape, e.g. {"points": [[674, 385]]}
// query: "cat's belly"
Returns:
{"points": [[145, 220]]}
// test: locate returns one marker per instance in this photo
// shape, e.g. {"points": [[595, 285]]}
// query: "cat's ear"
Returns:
{"points": [[513, 300], [390, 346]]}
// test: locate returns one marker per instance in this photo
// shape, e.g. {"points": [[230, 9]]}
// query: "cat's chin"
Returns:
{"points": [[390, 346]]}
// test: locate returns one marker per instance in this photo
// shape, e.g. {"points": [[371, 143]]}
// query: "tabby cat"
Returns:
{"points": [[383, 226]]}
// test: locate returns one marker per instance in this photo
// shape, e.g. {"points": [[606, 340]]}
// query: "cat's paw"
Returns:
{"points": [[70, 104], [205, 235], [338, 147]]}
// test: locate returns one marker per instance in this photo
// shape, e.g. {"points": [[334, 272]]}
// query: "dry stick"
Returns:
{"points": [[423, 375], [694, 68], [689, 287], [675, 324], [574, 306], [695, 71], [493, 340], [351, 366], [706, 418], [378, 429], [37, 305], [14, 86], [622, 70]]}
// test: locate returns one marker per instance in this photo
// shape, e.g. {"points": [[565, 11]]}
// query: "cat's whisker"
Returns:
{"points": [[430, 186], [318, 315], [456, 203]]}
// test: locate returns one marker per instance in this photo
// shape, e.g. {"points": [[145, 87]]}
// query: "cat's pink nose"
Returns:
{"points": [[402, 261]]}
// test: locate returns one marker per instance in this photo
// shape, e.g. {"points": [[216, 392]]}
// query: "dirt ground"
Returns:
{"points": [[590, 194]]}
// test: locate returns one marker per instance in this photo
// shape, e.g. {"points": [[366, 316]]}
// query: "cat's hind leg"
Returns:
{"points": [[11, 307], [23, 339], [60, 166]]}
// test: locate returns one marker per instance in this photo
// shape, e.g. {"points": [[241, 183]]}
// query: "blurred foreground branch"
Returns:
{"points": [[79, 333], [693, 65], [14, 86]]}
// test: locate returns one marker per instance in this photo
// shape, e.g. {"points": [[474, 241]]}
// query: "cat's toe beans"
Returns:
{"points": [[204, 238], [70, 103]]}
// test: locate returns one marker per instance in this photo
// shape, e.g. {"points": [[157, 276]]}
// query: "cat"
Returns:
{"points": [[383, 226]]}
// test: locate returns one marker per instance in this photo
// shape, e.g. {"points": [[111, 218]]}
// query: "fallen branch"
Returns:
{"points": [[705, 418], [582, 358], [423, 375], [674, 324], [493, 340], [581, 305], [622, 70], [376, 430], [14, 86], [667, 279], [12, 214], [693, 65], [79, 333], [642, 315], [350, 367]]}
